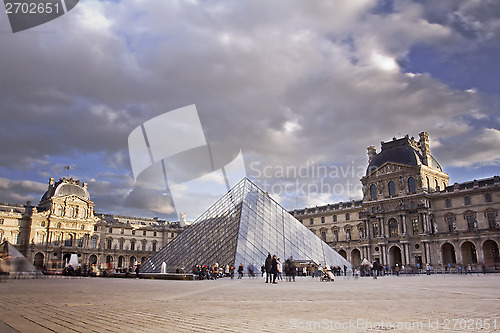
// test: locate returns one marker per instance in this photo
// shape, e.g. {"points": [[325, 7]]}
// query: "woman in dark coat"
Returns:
{"points": [[274, 268]]}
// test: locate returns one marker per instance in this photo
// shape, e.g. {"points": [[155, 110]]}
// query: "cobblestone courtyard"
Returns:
{"points": [[407, 304]]}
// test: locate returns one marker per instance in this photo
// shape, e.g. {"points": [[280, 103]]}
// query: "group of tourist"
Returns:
{"points": [[273, 268], [216, 271]]}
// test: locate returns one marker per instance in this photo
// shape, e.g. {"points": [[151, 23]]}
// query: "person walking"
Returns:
{"points": [[375, 267], [293, 270], [274, 268], [280, 270], [240, 271], [268, 266]]}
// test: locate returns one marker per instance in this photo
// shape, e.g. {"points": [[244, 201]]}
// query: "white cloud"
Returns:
{"points": [[287, 81]]}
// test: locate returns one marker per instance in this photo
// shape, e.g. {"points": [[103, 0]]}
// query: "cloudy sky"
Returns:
{"points": [[297, 85]]}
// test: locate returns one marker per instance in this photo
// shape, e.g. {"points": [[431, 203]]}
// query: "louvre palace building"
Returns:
{"points": [[410, 214], [64, 223]]}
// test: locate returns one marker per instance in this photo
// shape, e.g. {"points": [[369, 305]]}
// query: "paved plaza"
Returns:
{"points": [[450, 303]]}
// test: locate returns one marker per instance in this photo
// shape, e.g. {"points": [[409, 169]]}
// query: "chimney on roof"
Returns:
{"points": [[424, 147], [372, 151]]}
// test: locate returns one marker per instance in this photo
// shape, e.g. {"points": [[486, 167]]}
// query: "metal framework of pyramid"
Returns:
{"points": [[242, 227]]}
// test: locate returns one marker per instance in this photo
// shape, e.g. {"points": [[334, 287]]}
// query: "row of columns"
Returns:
{"points": [[383, 226]]}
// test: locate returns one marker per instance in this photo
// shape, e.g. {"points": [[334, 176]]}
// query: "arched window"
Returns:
{"points": [[437, 185], [348, 234], [373, 191], [69, 240], [392, 188], [411, 185], [428, 184], [120, 261], [393, 228], [323, 235]]}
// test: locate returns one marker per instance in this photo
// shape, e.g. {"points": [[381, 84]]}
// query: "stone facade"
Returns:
{"points": [[64, 223], [411, 216]]}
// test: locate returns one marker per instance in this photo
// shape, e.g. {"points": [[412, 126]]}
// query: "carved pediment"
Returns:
{"points": [[388, 168]]}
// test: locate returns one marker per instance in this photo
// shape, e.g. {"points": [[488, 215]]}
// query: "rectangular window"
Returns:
{"points": [[322, 219], [471, 222], [1, 221], [40, 239], [451, 224], [15, 238], [121, 244], [487, 197], [172, 235], [95, 228], [311, 221], [348, 234], [448, 203], [57, 239], [414, 226], [144, 233], [375, 229], [144, 246], [133, 231], [347, 216], [80, 242], [94, 243], [336, 235], [122, 231], [467, 200], [109, 243], [334, 218], [154, 246], [491, 220], [132, 246], [110, 230], [154, 233]]}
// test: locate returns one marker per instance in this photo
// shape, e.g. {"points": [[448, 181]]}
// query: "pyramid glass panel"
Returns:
{"points": [[242, 227]]}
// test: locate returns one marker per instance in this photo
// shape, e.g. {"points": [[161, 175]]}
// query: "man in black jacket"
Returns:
{"points": [[268, 266], [375, 267]]}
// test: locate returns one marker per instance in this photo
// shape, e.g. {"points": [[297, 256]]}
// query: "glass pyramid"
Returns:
{"points": [[12, 262], [242, 227]]}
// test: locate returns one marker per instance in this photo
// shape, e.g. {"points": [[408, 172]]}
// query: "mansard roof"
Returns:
{"points": [[403, 151]]}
